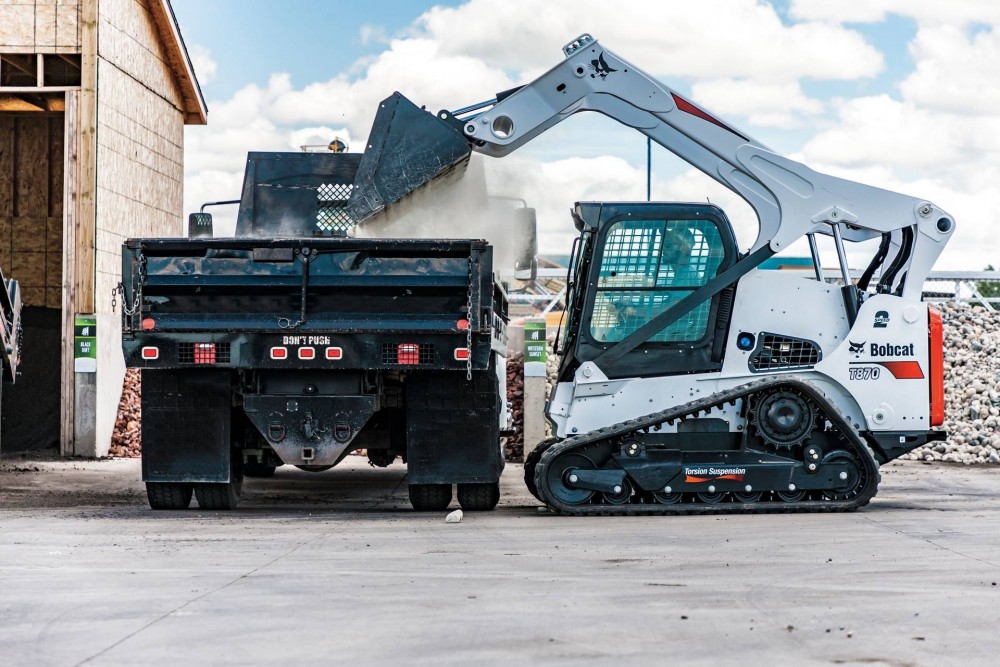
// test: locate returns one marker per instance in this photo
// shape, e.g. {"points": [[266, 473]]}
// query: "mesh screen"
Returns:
{"points": [[332, 214], [203, 353], [646, 267], [781, 352], [408, 354]]}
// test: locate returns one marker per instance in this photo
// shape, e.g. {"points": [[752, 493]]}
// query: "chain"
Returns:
{"points": [[468, 329], [137, 291]]}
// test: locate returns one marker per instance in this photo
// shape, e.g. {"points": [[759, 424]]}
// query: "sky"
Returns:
{"points": [[900, 94]]}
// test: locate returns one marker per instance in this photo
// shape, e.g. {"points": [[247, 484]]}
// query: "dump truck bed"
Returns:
{"points": [[358, 303]]}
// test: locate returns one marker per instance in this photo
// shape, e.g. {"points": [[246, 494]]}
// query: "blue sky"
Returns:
{"points": [[895, 93]]}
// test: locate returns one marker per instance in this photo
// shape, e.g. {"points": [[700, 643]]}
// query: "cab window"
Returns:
{"points": [[646, 267]]}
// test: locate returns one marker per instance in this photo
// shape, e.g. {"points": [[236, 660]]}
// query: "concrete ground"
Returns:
{"points": [[333, 569]]}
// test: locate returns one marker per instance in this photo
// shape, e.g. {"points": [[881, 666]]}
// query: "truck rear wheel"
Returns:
{"points": [[168, 495], [430, 497], [479, 497], [221, 496]]}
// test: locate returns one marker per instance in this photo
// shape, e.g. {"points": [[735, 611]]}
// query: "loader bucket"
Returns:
{"points": [[407, 149]]}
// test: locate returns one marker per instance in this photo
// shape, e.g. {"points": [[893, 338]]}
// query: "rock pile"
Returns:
{"points": [[514, 447], [126, 440], [971, 387]]}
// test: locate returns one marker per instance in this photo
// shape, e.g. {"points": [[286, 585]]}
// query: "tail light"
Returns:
{"points": [[150, 353], [334, 353], [936, 362], [279, 352], [461, 354], [204, 353], [307, 353], [408, 354]]}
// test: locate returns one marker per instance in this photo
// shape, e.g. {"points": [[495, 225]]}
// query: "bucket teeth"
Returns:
{"points": [[407, 149]]}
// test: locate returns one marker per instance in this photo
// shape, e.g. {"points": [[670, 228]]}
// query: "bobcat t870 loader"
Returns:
{"points": [[690, 381]]}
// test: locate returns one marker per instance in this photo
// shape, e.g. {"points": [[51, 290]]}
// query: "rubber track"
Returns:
{"points": [[692, 409]]}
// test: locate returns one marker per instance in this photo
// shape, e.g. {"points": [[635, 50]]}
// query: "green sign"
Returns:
{"points": [[534, 341], [85, 344]]}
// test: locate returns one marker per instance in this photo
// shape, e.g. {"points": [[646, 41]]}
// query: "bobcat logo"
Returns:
{"points": [[600, 67], [856, 348]]}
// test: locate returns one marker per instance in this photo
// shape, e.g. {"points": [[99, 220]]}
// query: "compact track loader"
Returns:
{"points": [[690, 380]]}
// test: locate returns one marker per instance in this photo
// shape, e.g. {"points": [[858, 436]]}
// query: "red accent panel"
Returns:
{"points": [[903, 370], [936, 334], [691, 479], [687, 107]]}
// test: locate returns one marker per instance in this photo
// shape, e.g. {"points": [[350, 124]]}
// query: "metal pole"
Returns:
{"points": [[814, 251], [841, 255], [649, 167]]}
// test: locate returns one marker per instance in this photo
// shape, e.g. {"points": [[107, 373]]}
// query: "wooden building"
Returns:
{"points": [[94, 96]]}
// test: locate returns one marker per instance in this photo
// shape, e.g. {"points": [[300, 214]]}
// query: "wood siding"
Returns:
{"points": [[40, 26], [31, 205]]}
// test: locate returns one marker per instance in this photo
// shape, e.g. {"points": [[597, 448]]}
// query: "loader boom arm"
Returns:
{"points": [[790, 199]]}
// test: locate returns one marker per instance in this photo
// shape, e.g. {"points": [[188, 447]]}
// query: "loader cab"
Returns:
{"points": [[632, 262]]}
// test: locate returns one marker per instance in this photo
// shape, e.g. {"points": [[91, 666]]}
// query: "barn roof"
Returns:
{"points": [[195, 110]]}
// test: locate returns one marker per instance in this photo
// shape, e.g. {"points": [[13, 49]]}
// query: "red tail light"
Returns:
{"points": [[461, 353], [279, 352], [204, 353], [150, 353], [408, 354], [936, 361], [334, 353], [307, 353]]}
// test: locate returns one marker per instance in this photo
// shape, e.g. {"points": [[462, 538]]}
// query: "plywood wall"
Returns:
{"points": [[140, 139], [34, 26], [31, 205]]}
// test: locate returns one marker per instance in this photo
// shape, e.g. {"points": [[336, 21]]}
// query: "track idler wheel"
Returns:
{"points": [[560, 483], [620, 497], [667, 497], [791, 496], [852, 480], [711, 497], [746, 496]]}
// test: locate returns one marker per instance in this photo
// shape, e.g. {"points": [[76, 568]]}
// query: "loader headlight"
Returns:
{"points": [[745, 341]]}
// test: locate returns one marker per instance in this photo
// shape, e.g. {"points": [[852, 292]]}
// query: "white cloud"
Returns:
{"points": [[764, 104], [927, 12], [204, 65], [952, 67]]}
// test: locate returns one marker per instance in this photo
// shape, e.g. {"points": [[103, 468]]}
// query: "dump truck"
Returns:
{"points": [[690, 381], [292, 344]]}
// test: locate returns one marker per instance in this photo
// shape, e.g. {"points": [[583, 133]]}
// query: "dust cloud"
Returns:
{"points": [[455, 207]]}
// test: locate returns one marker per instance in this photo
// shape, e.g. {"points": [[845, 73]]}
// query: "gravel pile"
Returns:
{"points": [[971, 387], [126, 440]]}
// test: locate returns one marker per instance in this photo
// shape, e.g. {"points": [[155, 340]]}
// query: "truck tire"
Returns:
{"points": [[168, 495], [479, 497], [221, 496], [430, 497]]}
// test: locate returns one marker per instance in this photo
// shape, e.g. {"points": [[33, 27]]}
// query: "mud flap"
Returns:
{"points": [[452, 428], [186, 425], [407, 149]]}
